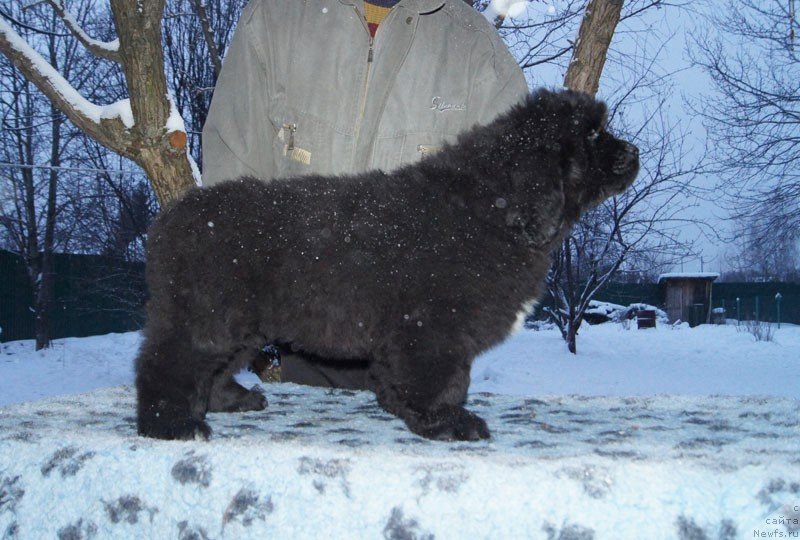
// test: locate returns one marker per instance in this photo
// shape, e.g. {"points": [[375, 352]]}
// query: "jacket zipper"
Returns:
{"points": [[291, 129], [365, 88]]}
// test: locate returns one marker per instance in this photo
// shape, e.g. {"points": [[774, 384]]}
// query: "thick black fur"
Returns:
{"points": [[417, 271]]}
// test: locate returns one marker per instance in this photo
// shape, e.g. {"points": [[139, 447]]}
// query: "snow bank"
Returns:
{"points": [[616, 361], [332, 463], [611, 361], [601, 312], [639, 465], [71, 366]]}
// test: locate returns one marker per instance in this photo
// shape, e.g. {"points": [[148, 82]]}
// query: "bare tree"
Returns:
{"points": [[763, 258], [753, 115], [33, 133], [208, 35], [598, 26], [146, 128], [641, 223]]}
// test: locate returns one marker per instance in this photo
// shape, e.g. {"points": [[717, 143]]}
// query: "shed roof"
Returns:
{"points": [[700, 276]]}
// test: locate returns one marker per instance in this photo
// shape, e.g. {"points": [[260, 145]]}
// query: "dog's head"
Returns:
{"points": [[597, 164], [571, 163]]}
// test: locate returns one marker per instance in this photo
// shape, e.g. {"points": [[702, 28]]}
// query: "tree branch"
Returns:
{"points": [[109, 51], [147, 128], [29, 27], [208, 35], [104, 124]]}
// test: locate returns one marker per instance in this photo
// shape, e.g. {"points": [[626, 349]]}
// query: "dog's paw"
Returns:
{"points": [[241, 401], [470, 427], [450, 423], [182, 429], [255, 400]]}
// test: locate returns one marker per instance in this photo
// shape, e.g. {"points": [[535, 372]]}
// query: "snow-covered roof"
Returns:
{"points": [[688, 275]]}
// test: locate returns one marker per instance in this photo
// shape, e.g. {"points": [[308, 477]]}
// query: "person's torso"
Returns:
{"points": [[344, 102]]}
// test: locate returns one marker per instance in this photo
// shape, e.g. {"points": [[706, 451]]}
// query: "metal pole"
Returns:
{"points": [[778, 298], [738, 311], [758, 309]]}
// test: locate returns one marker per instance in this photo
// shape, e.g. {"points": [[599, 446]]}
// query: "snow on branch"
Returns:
{"points": [[109, 51], [497, 11], [109, 124]]}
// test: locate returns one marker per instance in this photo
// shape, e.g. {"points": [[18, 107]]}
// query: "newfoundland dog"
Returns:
{"points": [[416, 271]]}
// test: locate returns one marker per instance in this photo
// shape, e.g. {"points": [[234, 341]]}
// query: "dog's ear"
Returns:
{"points": [[589, 114], [597, 115]]}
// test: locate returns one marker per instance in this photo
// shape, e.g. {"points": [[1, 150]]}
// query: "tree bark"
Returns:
{"points": [[594, 37], [163, 157]]}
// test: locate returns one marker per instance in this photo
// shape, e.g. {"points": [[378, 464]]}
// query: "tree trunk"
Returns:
{"points": [[572, 333], [594, 37], [46, 293], [589, 56], [162, 155]]}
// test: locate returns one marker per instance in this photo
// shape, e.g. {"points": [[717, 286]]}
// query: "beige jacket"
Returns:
{"points": [[304, 89]]}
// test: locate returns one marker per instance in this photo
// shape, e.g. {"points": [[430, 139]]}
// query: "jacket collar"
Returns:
{"points": [[420, 6]]}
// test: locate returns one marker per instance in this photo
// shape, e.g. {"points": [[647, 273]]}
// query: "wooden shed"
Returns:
{"points": [[688, 296]]}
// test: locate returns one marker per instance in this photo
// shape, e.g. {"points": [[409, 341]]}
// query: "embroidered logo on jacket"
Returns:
{"points": [[438, 104]]}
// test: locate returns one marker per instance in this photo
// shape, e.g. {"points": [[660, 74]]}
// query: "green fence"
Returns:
{"points": [[757, 301], [632, 293], [98, 295], [93, 295]]}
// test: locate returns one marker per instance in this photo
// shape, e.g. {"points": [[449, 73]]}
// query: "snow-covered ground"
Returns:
{"points": [[614, 361], [70, 366], [563, 463], [611, 361]]}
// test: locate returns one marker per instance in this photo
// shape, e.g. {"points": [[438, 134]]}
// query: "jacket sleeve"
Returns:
{"points": [[238, 135], [498, 81]]}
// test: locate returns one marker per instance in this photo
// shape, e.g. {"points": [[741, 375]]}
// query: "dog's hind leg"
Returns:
{"points": [[427, 389], [229, 396], [173, 384]]}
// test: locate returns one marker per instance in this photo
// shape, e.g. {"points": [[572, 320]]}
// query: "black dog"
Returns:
{"points": [[416, 271]]}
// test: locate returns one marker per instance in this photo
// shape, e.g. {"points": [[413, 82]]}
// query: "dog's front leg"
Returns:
{"points": [[428, 392], [173, 386]]}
